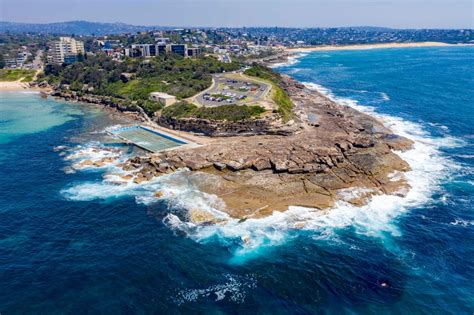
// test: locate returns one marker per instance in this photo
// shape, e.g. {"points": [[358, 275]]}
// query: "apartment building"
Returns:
{"points": [[66, 49]]}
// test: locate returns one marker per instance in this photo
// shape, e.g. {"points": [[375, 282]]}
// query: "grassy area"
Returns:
{"points": [[280, 97], [138, 89], [17, 74], [263, 73], [225, 112], [285, 105]]}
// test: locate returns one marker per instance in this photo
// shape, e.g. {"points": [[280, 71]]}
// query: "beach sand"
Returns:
{"points": [[369, 46], [13, 86]]}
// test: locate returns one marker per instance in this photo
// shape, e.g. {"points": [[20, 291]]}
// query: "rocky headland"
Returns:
{"points": [[335, 153]]}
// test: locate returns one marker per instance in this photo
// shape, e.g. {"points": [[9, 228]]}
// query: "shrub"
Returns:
{"points": [[179, 110], [150, 107]]}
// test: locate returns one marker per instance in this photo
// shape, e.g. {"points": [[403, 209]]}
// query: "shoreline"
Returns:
{"points": [[257, 175], [371, 46], [12, 86]]}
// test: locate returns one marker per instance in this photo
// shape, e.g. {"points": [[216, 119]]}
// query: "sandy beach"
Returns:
{"points": [[13, 86], [370, 46]]}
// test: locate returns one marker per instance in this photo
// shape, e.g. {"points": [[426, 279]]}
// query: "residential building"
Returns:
{"points": [[146, 50], [194, 52], [162, 40], [18, 61], [161, 49], [179, 49], [69, 59], [66, 48], [11, 63]]}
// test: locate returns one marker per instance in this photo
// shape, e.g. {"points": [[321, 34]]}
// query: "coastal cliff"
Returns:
{"points": [[268, 125], [337, 150]]}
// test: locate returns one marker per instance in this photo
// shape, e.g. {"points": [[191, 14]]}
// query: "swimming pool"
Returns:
{"points": [[147, 139]]}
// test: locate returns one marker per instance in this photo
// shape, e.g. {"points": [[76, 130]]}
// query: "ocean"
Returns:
{"points": [[77, 239]]}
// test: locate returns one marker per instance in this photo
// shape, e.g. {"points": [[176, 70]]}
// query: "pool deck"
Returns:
{"points": [[151, 139]]}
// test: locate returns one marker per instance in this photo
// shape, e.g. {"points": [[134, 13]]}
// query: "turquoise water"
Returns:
{"points": [[19, 116], [74, 241]]}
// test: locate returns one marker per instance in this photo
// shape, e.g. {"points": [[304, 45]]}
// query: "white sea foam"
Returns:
{"points": [[234, 289], [385, 96], [463, 223], [292, 60], [30, 92]]}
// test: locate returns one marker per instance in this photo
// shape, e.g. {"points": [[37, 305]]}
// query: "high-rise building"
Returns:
{"points": [[147, 50], [194, 52], [179, 49], [66, 49], [161, 48]]}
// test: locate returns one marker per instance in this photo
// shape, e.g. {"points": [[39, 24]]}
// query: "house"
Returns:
{"points": [[163, 98]]}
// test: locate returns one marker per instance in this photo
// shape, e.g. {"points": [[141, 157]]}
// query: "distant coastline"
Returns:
{"points": [[372, 46]]}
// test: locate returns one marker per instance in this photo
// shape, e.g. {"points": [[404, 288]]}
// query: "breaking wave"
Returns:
{"points": [[292, 60], [234, 289]]}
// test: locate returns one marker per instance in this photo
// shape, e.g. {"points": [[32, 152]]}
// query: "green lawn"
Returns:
{"points": [[17, 74]]}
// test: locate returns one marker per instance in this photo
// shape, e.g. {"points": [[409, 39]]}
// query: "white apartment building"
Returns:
{"points": [[65, 49]]}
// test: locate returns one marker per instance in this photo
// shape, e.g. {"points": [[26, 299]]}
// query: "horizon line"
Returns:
{"points": [[243, 26]]}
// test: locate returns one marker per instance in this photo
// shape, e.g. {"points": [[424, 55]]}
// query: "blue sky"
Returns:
{"points": [[298, 13]]}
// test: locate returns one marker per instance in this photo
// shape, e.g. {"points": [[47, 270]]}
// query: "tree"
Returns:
{"points": [[2, 62]]}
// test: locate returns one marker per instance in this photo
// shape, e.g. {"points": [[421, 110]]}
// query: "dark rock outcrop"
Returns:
{"points": [[269, 125]]}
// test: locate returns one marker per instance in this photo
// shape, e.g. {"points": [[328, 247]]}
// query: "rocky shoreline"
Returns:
{"points": [[105, 101], [338, 150], [327, 153]]}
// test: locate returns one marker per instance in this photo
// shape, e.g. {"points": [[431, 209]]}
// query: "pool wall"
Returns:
{"points": [[118, 130]]}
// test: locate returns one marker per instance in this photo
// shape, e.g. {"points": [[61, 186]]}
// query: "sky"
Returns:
{"points": [[213, 13]]}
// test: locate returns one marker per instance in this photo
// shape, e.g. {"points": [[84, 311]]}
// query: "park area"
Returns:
{"points": [[234, 88]]}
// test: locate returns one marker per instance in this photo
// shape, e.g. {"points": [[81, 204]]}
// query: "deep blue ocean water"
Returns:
{"points": [[72, 243]]}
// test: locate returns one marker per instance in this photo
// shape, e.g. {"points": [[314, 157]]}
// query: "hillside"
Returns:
{"points": [[73, 27]]}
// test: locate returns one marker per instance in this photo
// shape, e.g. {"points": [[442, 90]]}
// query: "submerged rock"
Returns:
{"points": [[200, 216]]}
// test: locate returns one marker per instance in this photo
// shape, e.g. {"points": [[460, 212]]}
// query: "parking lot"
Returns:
{"points": [[228, 89]]}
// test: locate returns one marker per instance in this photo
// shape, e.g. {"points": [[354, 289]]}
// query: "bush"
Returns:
{"points": [[150, 107], [179, 110]]}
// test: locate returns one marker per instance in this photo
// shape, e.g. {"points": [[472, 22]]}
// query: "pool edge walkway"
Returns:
{"points": [[182, 142]]}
